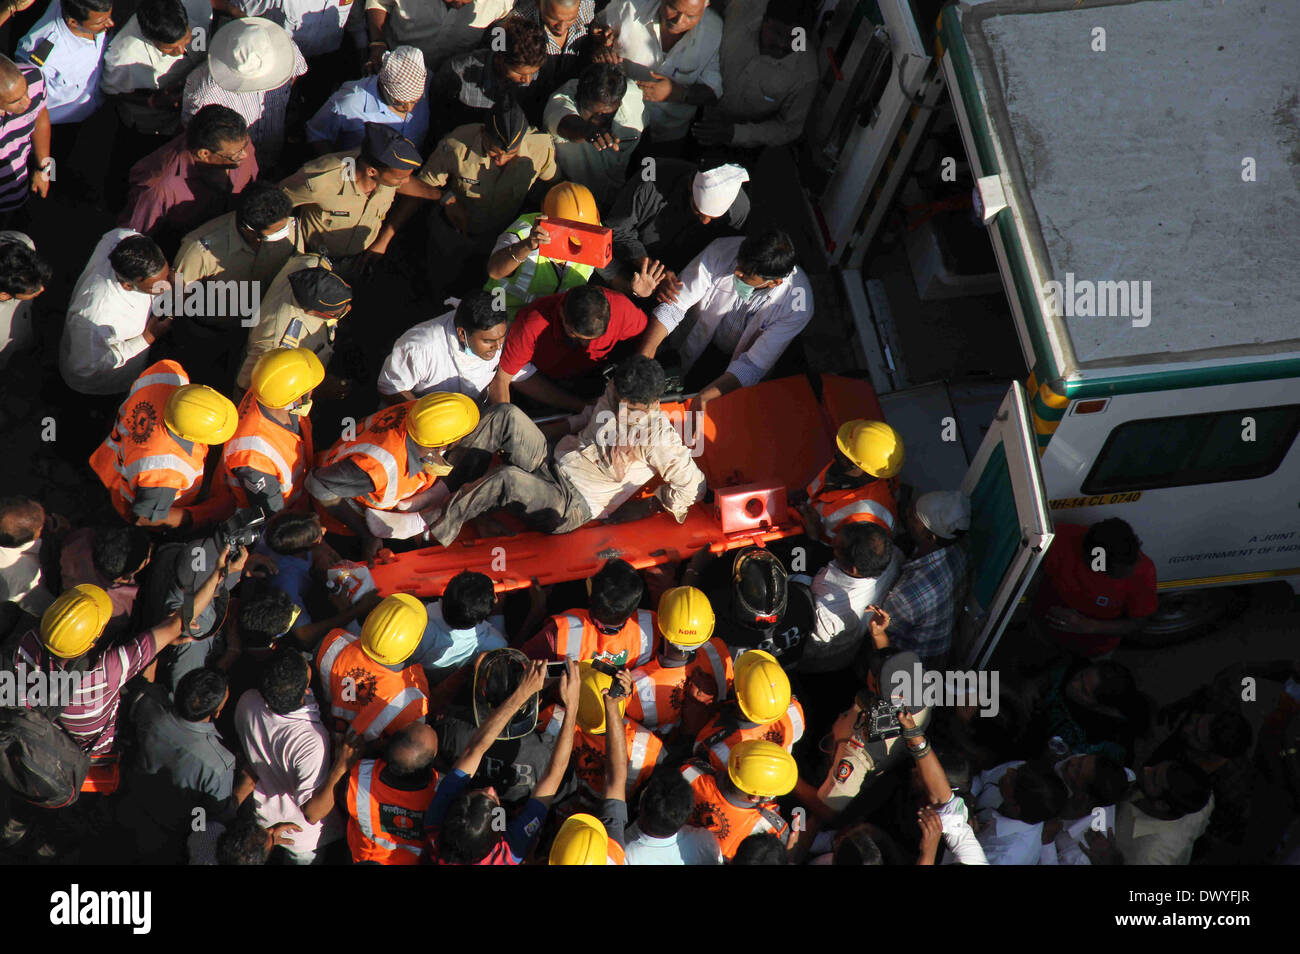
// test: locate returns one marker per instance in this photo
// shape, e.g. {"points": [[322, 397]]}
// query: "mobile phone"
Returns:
{"points": [[554, 670]]}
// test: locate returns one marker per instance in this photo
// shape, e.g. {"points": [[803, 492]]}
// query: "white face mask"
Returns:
{"points": [[280, 234]]}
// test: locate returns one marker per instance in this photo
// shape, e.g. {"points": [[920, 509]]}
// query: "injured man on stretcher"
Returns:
{"points": [[613, 449]]}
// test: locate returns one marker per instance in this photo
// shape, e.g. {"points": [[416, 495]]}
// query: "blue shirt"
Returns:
{"points": [[924, 601], [343, 118], [71, 66], [442, 647], [520, 835], [293, 579]]}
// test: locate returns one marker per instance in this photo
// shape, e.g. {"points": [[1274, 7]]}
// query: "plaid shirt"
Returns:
{"points": [[923, 603], [527, 10]]}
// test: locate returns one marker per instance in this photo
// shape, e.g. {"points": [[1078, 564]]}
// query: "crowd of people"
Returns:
{"points": [[243, 692]]}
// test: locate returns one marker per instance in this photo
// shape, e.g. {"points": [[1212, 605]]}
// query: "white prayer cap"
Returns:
{"points": [[716, 189]]}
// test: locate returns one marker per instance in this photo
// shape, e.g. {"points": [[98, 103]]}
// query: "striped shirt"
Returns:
{"points": [[16, 143], [527, 10], [91, 717]]}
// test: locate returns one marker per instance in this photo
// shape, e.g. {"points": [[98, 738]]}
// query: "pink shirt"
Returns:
{"points": [[77, 565]]}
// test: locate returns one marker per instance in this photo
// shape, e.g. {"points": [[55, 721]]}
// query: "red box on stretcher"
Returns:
{"points": [[577, 242], [750, 507]]}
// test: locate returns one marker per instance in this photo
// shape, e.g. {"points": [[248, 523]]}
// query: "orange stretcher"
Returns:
{"points": [[775, 434]]}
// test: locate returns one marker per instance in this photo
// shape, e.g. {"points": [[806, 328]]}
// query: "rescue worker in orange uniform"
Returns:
{"points": [[364, 678], [612, 629], [384, 482], [858, 484], [763, 709], [387, 798], [152, 461], [741, 800], [643, 748], [266, 461], [691, 672]]}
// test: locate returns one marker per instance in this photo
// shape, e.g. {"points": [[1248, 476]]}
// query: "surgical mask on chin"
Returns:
{"points": [[302, 409], [279, 235], [743, 291], [438, 470]]}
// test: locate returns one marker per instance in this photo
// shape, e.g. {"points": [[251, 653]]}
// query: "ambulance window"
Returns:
{"points": [[1194, 449]]}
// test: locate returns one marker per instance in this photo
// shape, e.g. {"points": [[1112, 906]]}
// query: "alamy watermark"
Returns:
{"points": [[208, 299], [636, 429], [931, 688], [1084, 298], [22, 687]]}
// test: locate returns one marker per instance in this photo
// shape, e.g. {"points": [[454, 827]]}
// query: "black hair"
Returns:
{"points": [[162, 21], [1230, 735], [261, 205], [1187, 788], [467, 834], [867, 547], [17, 526], [1117, 688], [761, 849], [768, 254], [136, 258], [499, 680], [284, 681], [22, 270], [640, 380], [200, 692], [475, 313], [406, 757], [666, 804], [601, 84], [244, 842], [291, 532], [790, 12], [616, 591], [80, 10], [857, 847], [1109, 783], [1117, 541], [1040, 793], [264, 614], [586, 311], [115, 551], [525, 43], [213, 125], [467, 600]]}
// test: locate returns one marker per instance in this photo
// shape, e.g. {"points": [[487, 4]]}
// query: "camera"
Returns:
{"points": [[877, 718], [609, 669], [241, 530]]}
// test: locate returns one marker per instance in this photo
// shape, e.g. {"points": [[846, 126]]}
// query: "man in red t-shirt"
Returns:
{"points": [[566, 337], [1099, 586]]}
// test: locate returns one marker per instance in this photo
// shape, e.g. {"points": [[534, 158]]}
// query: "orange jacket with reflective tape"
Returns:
{"points": [[373, 699], [141, 452], [659, 691], [644, 752], [577, 638], [731, 823], [266, 446], [729, 727], [873, 501], [380, 451], [385, 824]]}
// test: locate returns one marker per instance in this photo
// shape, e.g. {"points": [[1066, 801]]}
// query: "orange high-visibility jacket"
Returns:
{"points": [[728, 728], [577, 638], [385, 824], [141, 452], [731, 823], [644, 752], [658, 690], [874, 502], [380, 450], [373, 699], [266, 446]]}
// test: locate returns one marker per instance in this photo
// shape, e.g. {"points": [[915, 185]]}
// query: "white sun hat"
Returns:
{"points": [[252, 55]]}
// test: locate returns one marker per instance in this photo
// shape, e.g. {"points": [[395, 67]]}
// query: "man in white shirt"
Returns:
{"points": [[1096, 783], [460, 626], [749, 299], [672, 51], [145, 69], [661, 835], [439, 28], [111, 321], [316, 25], [595, 121], [458, 351], [1012, 803], [1160, 824], [23, 276], [865, 567], [22, 521]]}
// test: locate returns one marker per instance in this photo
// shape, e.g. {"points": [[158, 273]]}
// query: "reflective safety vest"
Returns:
{"points": [[731, 823], [728, 728], [874, 501], [264, 445], [577, 638], [373, 699], [380, 450], [644, 752], [659, 691], [141, 452], [385, 824], [536, 275]]}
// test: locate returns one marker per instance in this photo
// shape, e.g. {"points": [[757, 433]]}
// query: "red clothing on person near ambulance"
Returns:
{"points": [[537, 337], [1069, 581]]}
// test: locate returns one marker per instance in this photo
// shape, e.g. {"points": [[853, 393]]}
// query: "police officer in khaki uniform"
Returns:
{"points": [[301, 309], [342, 198], [251, 244]]}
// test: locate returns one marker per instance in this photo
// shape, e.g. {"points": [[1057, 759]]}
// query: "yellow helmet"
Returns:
{"points": [[75, 620], [873, 446], [282, 376], [441, 418], [762, 768], [393, 629], [591, 704], [581, 840], [198, 413], [685, 617], [571, 201], [762, 687]]}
